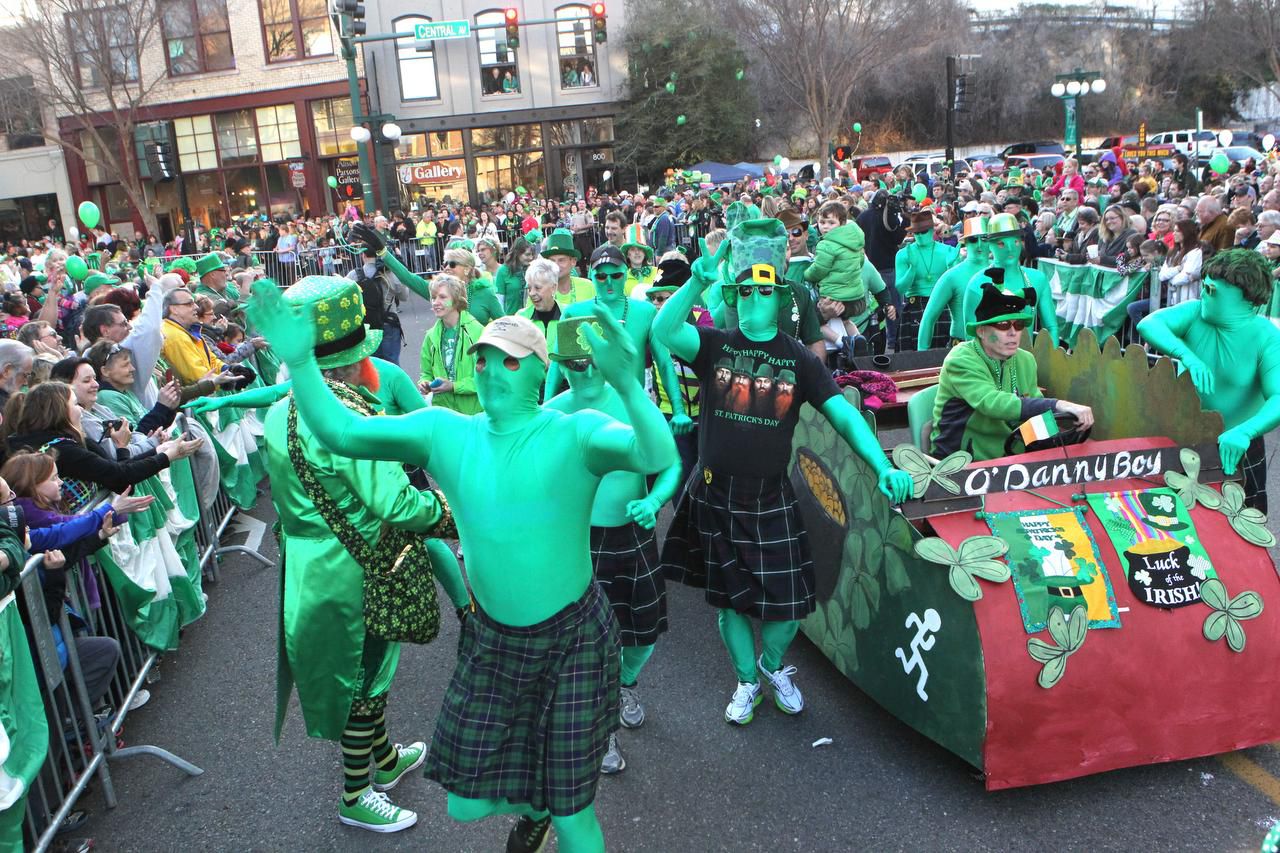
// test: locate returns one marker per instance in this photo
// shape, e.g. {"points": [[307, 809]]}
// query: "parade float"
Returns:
{"points": [[1062, 612]]}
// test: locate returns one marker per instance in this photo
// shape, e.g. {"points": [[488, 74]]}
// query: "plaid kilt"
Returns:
{"points": [[625, 559], [909, 325], [529, 710], [742, 540], [1253, 468]]}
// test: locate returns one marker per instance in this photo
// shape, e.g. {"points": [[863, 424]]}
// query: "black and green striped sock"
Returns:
{"points": [[385, 755], [357, 745]]}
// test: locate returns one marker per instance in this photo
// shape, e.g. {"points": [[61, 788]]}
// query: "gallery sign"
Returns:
{"points": [[439, 172]]}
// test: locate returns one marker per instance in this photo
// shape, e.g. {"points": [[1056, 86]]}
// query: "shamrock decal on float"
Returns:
{"points": [[1228, 613], [976, 558], [1067, 636], [924, 473], [1188, 485], [1250, 523], [1143, 577]]}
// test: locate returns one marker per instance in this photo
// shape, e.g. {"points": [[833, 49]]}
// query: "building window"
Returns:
{"points": [[237, 143], [106, 48], [333, 121], [98, 159], [417, 67], [295, 29], [197, 36], [278, 133], [197, 150], [499, 74], [577, 47], [20, 113]]}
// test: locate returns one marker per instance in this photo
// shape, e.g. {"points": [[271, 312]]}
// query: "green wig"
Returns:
{"points": [[1244, 268]]}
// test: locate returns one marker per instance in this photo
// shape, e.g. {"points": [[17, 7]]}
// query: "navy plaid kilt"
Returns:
{"points": [[1253, 468], [742, 540], [909, 325], [529, 710], [625, 559]]}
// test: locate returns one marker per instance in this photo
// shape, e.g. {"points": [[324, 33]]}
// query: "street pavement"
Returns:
{"points": [[692, 782]]}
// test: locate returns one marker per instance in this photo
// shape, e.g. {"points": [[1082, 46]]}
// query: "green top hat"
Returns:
{"points": [[559, 242], [209, 263], [787, 376], [95, 280], [342, 338], [742, 364], [765, 370], [998, 304], [1003, 225], [1013, 177], [635, 239], [758, 241], [1161, 511], [735, 213], [571, 339]]}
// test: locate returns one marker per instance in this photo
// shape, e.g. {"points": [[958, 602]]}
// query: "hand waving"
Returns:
{"points": [[372, 240], [292, 332], [615, 353]]}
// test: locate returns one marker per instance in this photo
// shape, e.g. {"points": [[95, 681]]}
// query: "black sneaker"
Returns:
{"points": [[529, 835]]}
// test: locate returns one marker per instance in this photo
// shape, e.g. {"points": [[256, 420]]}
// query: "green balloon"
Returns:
{"points": [[1220, 163], [681, 119], [332, 182], [857, 127], [777, 159], [919, 192], [673, 77], [739, 74], [671, 88], [76, 267], [89, 214]]}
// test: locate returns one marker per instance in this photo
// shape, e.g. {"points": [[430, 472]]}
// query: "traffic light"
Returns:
{"points": [[842, 153], [160, 161], [598, 23], [512, 18], [353, 11], [960, 103]]}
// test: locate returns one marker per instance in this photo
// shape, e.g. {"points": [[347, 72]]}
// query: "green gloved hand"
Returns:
{"points": [[200, 405], [291, 332], [681, 424], [896, 485], [644, 512]]}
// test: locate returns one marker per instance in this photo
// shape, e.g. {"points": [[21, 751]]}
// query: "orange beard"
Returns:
{"points": [[739, 398], [782, 405], [369, 377]]}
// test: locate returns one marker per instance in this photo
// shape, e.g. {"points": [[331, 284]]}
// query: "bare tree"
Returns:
{"points": [[1248, 35], [86, 58]]}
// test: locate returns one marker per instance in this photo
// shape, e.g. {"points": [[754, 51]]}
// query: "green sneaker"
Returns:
{"points": [[408, 758], [373, 811]]}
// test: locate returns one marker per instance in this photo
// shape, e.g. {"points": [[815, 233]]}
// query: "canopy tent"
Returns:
{"points": [[722, 173], [750, 168]]}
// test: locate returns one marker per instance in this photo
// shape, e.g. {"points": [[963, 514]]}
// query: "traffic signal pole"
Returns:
{"points": [[951, 109], [358, 116]]}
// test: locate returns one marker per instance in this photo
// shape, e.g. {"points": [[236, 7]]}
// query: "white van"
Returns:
{"points": [[1180, 140]]}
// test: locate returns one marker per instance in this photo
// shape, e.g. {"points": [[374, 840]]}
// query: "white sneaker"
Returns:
{"points": [[140, 698], [613, 761], [632, 714], [743, 704], [373, 811], [785, 693]]}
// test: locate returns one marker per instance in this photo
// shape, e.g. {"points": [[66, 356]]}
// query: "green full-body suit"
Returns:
{"points": [[496, 469], [949, 293], [1005, 252], [396, 392]]}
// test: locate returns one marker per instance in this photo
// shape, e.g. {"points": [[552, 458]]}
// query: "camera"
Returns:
{"points": [[13, 517], [112, 425]]}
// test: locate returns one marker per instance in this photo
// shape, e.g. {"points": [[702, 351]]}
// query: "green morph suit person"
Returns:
{"points": [[949, 292], [396, 392], [917, 268], [737, 531], [609, 275], [1233, 356], [1004, 240], [542, 640], [624, 549]]}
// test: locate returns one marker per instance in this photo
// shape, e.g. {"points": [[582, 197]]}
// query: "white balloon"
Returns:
{"points": [[73, 233], [1268, 142], [1224, 138], [785, 164], [606, 175], [509, 198], [360, 134]]}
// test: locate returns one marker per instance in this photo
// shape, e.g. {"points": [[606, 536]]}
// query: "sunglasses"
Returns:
{"points": [[745, 290], [451, 264], [1006, 325], [612, 276], [796, 232], [577, 365]]}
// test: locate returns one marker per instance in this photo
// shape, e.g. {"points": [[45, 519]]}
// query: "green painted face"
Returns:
{"points": [[924, 238], [1222, 303], [610, 280], [1005, 251], [505, 384], [758, 314], [977, 252]]}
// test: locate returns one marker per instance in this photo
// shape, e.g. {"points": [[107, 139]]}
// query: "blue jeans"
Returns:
{"points": [[1138, 309], [392, 341]]}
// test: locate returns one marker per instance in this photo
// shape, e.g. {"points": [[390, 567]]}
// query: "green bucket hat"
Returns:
{"points": [[725, 363], [342, 338], [571, 339], [209, 263], [560, 242], [787, 377], [765, 370], [742, 364]]}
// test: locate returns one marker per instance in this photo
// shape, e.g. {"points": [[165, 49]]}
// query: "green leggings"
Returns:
{"points": [[633, 660], [576, 833], [739, 638]]}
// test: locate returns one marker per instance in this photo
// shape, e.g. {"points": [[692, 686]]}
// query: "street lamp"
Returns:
{"points": [[1070, 88], [360, 134]]}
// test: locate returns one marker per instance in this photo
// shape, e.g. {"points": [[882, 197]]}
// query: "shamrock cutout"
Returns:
{"points": [[1143, 577], [1199, 566], [923, 472], [1067, 638], [1228, 613], [1188, 485], [1250, 523], [1163, 503], [977, 556]]}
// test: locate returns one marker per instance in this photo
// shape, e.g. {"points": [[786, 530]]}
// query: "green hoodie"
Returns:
{"points": [[837, 264], [482, 303]]}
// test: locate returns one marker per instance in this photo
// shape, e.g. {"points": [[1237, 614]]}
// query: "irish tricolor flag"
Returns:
{"points": [[1039, 428]]}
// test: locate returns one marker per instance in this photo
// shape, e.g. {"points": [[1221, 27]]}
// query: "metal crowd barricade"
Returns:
{"points": [[212, 526]]}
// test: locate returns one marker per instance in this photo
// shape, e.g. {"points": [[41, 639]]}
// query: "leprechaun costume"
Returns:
{"points": [[917, 268], [1004, 242], [643, 273], [737, 531], [333, 511], [948, 296]]}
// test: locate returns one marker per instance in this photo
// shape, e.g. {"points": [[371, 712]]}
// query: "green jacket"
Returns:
{"points": [[463, 396], [481, 301], [837, 263], [509, 286], [981, 401]]}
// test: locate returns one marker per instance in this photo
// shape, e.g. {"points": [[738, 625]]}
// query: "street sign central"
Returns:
{"points": [[442, 30]]}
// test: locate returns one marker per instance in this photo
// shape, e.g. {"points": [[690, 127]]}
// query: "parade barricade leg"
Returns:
{"points": [[212, 526]]}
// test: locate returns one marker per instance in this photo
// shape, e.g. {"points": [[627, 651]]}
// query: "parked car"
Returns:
{"points": [[1043, 162], [1181, 140], [876, 164], [933, 162], [1030, 148], [991, 162], [1239, 153], [1110, 142]]}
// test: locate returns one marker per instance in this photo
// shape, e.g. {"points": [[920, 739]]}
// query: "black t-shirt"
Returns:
{"points": [[751, 397]]}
